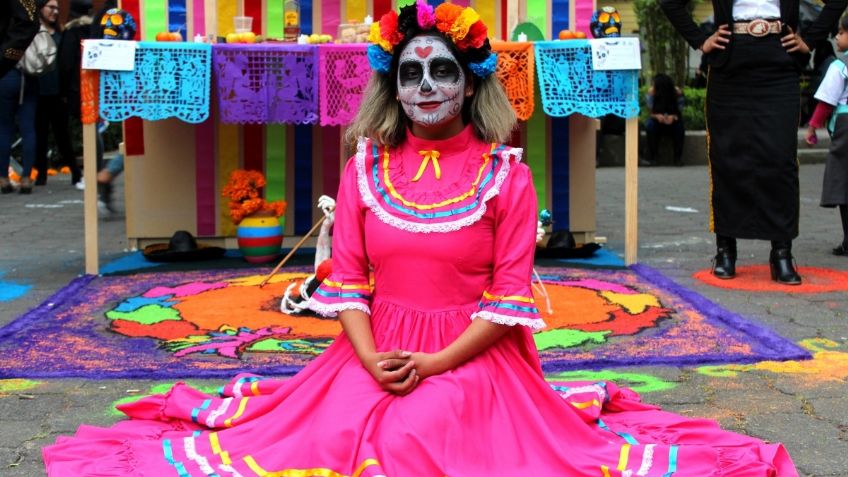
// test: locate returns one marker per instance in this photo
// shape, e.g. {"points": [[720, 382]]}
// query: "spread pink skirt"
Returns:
{"points": [[493, 416]]}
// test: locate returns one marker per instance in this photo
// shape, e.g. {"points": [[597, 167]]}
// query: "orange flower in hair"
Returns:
{"points": [[446, 15]]}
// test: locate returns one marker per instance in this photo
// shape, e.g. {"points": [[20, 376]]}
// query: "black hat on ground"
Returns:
{"points": [[182, 247]]}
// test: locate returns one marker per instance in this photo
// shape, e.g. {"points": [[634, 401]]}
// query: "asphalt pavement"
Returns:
{"points": [[803, 406]]}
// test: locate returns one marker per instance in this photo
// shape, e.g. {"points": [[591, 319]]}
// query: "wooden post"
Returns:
{"points": [[631, 190], [581, 177], [89, 147]]}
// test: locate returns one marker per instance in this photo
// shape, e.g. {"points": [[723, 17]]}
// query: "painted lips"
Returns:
{"points": [[430, 105]]}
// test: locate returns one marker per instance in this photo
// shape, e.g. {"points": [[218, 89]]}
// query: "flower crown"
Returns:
{"points": [[461, 26]]}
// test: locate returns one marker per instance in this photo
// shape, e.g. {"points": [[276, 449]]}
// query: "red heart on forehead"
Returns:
{"points": [[423, 52]]}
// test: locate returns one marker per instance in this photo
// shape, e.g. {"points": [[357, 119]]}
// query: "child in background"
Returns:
{"points": [[832, 108]]}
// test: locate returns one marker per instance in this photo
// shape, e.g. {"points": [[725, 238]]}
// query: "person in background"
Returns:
{"points": [[18, 25], [112, 23], [665, 101], [18, 95], [52, 111], [753, 110], [832, 94]]}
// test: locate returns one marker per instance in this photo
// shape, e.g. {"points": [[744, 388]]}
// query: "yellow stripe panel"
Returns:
{"points": [[622, 459], [239, 412], [227, 9], [254, 388], [524, 299], [322, 472], [486, 9], [356, 11], [605, 471]]}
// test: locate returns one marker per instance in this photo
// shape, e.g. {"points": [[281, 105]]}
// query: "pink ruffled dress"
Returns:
{"points": [[447, 228]]}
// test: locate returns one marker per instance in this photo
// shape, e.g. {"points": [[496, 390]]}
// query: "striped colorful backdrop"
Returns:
{"points": [[303, 162]]}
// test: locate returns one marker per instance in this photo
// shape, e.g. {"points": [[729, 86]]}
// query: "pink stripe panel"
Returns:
{"points": [[331, 12], [198, 15]]}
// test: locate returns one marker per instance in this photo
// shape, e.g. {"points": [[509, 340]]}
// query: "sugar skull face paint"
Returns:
{"points": [[430, 82]]}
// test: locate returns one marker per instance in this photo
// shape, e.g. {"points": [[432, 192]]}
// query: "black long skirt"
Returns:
{"points": [[753, 107]]}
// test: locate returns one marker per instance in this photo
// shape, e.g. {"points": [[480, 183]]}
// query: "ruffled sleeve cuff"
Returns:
{"points": [[510, 310], [335, 295]]}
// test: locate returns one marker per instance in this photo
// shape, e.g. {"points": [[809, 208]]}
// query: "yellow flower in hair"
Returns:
{"points": [[375, 37], [460, 27]]}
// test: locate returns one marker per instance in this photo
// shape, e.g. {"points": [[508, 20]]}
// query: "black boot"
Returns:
{"points": [[724, 263], [782, 265]]}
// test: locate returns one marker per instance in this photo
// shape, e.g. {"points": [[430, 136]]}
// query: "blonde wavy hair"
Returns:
{"points": [[382, 119]]}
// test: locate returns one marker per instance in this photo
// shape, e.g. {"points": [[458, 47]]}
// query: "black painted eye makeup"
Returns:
{"points": [[410, 73]]}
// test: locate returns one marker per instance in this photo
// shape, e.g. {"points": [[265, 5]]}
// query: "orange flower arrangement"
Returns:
{"points": [[243, 191]]}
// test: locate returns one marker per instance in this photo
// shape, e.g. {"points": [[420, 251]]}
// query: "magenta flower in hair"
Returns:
{"points": [[426, 19]]}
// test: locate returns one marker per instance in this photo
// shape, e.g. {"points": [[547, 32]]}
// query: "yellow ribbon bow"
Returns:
{"points": [[428, 156]]}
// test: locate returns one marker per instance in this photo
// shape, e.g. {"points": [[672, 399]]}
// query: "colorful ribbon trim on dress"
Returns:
{"points": [[395, 200], [189, 448], [509, 310], [333, 296], [645, 463]]}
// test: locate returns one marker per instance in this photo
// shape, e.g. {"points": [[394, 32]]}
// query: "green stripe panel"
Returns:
{"points": [[257, 251], [155, 14], [274, 18], [275, 162], [537, 13], [537, 150]]}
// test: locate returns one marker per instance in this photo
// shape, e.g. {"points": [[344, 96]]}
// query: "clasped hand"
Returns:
{"points": [[792, 42], [399, 372], [666, 119]]}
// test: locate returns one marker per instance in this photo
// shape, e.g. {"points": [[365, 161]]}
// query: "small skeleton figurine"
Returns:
{"points": [[298, 292]]}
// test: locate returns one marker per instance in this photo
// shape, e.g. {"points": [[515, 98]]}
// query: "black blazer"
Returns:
{"points": [[681, 19]]}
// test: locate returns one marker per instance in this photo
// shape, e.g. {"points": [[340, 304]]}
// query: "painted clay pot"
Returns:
{"points": [[260, 236]]}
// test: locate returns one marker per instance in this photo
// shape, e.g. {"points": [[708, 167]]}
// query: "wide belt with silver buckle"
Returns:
{"points": [[757, 27]]}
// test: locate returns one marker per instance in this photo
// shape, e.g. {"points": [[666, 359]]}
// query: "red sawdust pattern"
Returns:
{"points": [[757, 278]]}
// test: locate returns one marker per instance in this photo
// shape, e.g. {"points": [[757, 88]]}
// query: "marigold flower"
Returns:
{"points": [[446, 15], [475, 38], [463, 22], [243, 190]]}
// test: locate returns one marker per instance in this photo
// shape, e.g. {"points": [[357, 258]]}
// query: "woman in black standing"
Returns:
{"points": [[52, 111], [753, 107]]}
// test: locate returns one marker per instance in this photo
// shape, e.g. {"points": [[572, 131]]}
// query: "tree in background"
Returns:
{"points": [[667, 51]]}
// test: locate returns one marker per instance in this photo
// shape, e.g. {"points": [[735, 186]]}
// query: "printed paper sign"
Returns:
{"points": [[116, 55], [616, 54]]}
